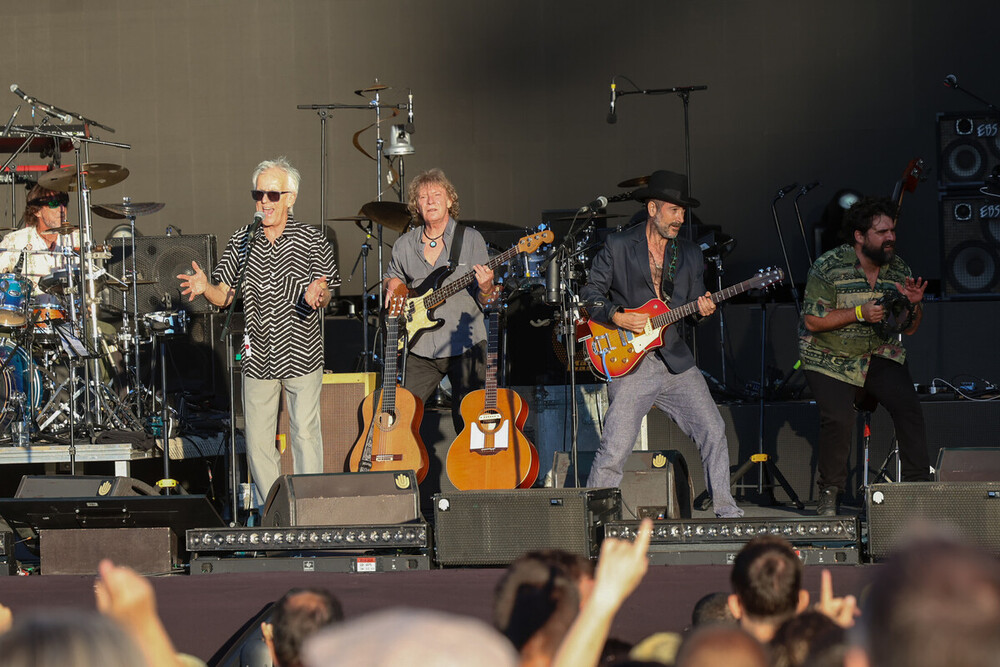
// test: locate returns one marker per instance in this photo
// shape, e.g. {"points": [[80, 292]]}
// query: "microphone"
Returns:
{"points": [[64, 117], [785, 190], [6, 128], [258, 218], [951, 81], [612, 116], [409, 112], [593, 206], [552, 291], [807, 188]]}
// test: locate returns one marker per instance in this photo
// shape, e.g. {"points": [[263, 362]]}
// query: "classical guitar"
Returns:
{"points": [[390, 439], [492, 452], [614, 352], [428, 296]]}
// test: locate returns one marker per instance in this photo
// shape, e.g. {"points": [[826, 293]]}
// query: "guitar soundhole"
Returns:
{"points": [[489, 421], [385, 420]]}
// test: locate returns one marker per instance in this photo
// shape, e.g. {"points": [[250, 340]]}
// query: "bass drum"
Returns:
{"points": [[20, 377]]}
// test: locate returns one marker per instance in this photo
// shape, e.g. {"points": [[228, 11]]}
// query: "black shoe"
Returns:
{"points": [[828, 505]]}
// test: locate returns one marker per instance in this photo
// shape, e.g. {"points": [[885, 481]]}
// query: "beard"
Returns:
{"points": [[880, 255]]}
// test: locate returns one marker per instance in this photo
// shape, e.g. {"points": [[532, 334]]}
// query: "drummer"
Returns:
{"points": [[37, 242]]}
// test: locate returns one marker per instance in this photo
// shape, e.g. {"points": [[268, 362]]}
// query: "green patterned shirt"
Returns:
{"points": [[837, 281]]}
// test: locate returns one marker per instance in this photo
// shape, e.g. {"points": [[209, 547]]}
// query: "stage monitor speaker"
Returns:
{"points": [[654, 484], [496, 527], [970, 509], [81, 486], [342, 499], [968, 464], [160, 259], [150, 550], [340, 420], [969, 148], [970, 243]]}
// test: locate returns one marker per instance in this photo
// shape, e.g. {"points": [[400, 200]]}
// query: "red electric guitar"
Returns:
{"points": [[614, 352], [492, 452], [390, 439], [912, 176]]}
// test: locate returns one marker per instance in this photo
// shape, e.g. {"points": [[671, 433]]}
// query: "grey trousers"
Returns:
{"points": [[260, 409], [685, 399]]}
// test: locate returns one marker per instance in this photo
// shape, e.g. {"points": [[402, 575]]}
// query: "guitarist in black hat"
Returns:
{"points": [[645, 262]]}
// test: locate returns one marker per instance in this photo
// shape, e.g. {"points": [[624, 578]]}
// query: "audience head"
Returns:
{"points": [[767, 585], [535, 603], [712, 608], [401, 637], [298, 614], [807, 638], [715, 645], [935, 602], [65, 638]]}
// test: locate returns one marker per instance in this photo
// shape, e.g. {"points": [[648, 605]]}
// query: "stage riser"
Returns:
{"points": [[308, 564], [79, 551]]}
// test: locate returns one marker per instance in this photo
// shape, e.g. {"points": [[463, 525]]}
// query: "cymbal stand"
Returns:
{"points": [[781, 241], [363, 260]]}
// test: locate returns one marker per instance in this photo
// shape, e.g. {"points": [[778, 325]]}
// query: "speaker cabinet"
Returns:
{"points": [[970, 243], [80, 486], [971, 509], [80, 550], [969, 148], [495, 527], [654, 484], [340, 420], [343, 499], [968, 464], [160, 259]]}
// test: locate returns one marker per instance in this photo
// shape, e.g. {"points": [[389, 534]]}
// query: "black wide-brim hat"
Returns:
{"points": [[666, 186]]}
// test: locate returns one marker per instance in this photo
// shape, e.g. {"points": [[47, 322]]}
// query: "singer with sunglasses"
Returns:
{"points": [[288, 269], [33, 250]]}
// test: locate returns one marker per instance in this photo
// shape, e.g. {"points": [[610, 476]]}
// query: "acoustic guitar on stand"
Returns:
{"points": [[614, 352], [492, 452], [428, 296], [390, 438]]}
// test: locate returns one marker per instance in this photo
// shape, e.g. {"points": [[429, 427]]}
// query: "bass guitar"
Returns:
{"points": [[492, 452], [390, 439], [428, 296], [614, 352]]}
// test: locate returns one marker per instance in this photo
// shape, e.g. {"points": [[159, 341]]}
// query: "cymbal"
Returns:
{"points": [[96, 174], [392, 215], [489, 226], [57, 281], [634, 182], [122, 211], [65, 229], [374, 88], [348, 218]]}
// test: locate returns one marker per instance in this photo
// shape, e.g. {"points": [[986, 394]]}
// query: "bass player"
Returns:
{"points": [[641, 263]]}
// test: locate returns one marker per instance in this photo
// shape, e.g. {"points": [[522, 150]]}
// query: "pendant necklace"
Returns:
{"points": [[433, 241]]}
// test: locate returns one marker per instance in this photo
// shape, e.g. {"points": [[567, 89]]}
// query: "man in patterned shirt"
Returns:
{"points": [[287, 270], [846, 354]]}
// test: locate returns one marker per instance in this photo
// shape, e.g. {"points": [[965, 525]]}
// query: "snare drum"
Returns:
{"points": [[15, 383], [15, 292], [46, 319], [167, 322]]}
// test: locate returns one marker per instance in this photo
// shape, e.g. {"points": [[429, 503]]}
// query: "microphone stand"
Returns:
{"points": [[798, 215], [952, 82], [250, 237], [781, 241]]}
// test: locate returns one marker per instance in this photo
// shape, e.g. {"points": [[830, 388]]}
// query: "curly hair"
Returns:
{"points": [[431, 177], [862, 214]]}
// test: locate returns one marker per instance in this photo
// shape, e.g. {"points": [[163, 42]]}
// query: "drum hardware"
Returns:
{"points": [[126, 210]]}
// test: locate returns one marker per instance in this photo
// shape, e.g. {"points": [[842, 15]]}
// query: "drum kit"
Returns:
{"points": [[42, 343]]}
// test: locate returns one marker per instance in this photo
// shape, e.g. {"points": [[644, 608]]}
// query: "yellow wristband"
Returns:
{"points": [[857, 314]]}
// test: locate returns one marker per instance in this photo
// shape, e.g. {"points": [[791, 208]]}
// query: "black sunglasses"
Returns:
{"points": [[52, 202], [272, 195]]}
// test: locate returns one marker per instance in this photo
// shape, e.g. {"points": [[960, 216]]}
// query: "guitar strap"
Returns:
{"points": [[456, 245], [365, 464]]}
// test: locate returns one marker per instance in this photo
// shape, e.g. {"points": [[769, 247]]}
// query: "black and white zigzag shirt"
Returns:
{"points": [[282, 337]]}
